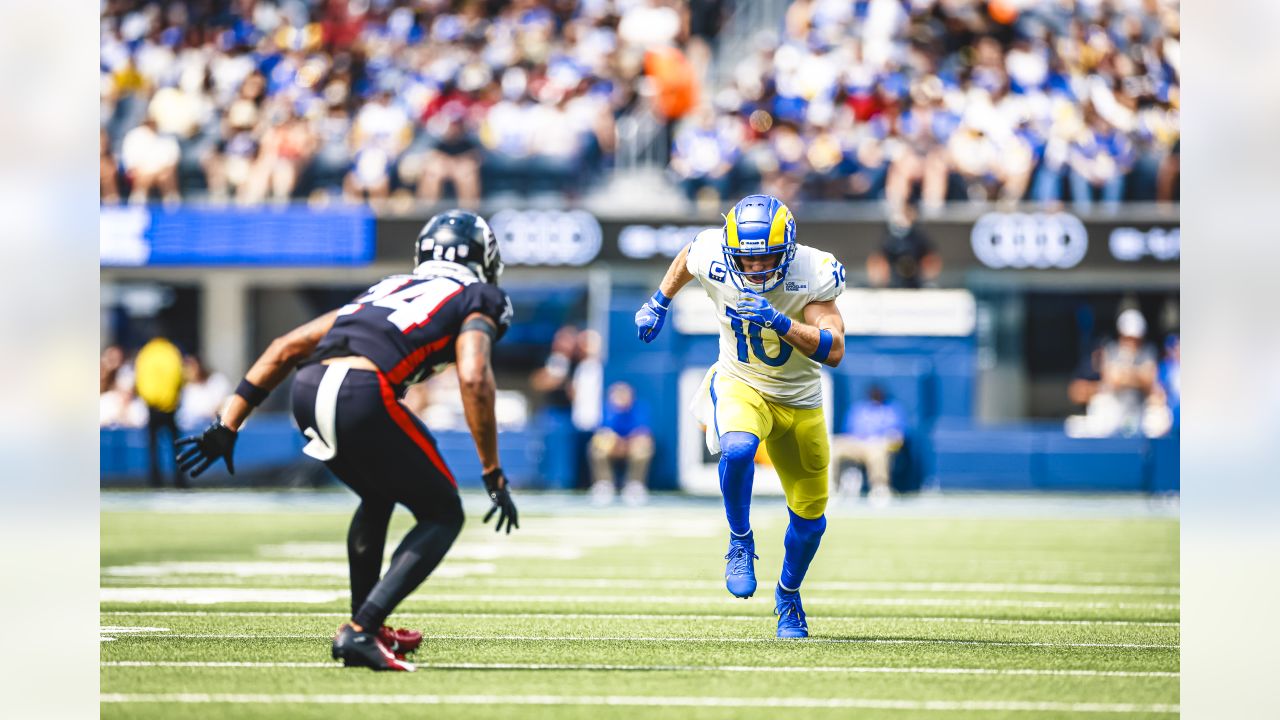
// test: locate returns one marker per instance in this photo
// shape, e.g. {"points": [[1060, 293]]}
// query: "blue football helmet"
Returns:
{"points": [[759, 225]]}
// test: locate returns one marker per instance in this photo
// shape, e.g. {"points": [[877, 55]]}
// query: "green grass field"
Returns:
{"points": [[588, 613]]}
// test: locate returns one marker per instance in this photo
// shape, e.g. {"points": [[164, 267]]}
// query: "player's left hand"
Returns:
{"points": [[754, 308], [495, 481], [217, 441]]}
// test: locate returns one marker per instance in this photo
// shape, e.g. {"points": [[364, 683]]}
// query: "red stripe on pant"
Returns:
{"points": [[401, 417]]}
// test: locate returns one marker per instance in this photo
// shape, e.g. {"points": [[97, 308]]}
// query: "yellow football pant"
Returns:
{"points": [[795, 438]]}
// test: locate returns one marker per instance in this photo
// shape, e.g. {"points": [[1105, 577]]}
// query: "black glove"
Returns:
{"points": [[496, 483], [217, 441]]}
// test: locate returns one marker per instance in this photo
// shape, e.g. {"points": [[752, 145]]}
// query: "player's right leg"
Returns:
{"points": [[741, 418], [366, 543], [398, 455]]}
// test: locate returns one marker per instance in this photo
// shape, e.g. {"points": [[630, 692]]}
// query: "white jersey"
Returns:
{"points": [[756, 355]]}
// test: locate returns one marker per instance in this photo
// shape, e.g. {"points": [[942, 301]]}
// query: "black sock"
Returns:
{"points": [[366, 541], [419, 553]]}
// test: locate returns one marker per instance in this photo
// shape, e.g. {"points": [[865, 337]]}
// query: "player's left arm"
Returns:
{"points": [[821, 335], [479, 391]]}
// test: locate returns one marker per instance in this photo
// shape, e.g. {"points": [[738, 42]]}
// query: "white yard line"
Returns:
{"points": [[209, 596], [1035, 672], [623, 638], [460, 551], [447, 571], [213, 596], [649, 701], [847, 586], [256, 568], [632, 616]]}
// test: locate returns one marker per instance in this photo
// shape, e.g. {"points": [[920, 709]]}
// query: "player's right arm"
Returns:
{"points": [[653, 313], [268, 371], [274, 365]]}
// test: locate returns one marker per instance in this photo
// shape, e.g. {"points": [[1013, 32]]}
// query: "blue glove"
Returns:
{"points": [[754, 308], [651, 315]]}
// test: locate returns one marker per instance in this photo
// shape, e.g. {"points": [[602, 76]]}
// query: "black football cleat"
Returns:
{"points": [[364, 649]]}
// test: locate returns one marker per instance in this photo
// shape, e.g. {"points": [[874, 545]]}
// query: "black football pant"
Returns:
{"points": [[375, 445], [158, 420]]}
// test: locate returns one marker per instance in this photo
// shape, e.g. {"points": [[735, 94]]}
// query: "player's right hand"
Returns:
{"points": [[217, 441], [651, 315], [495, 481]]}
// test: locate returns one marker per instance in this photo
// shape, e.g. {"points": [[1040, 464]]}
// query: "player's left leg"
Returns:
{"points": [[801, 455]]}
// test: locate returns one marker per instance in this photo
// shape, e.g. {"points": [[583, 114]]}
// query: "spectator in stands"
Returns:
{"points": [[381, 132], [562, 450], [554, 380], [787, 164], [454, 157], [705, 18], [1167, 176], [906, 258], [287, 147], [588, 381], [150, 162], [332, 129], [873, 435], [558, 146], [1098, 160], [921, 153], [1128, 398], [118, 406], [185, 110], [108, 169], [203, 393], [624, 436], [159, 379], [1085, 378], [229, 165], [703, 158], [1170, 377]]}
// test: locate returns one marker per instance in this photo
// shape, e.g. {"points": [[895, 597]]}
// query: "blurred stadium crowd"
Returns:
{"points": [[944, 100], [272, 100], [953, 100]]}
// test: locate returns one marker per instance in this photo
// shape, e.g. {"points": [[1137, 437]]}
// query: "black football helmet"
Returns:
{"points": [[462, 238]]}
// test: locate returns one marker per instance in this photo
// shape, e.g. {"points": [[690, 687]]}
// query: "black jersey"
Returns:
{"points": [[407, 324]]}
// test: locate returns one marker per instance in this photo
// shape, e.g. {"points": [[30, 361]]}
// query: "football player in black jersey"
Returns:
{"points": [[354, 364]]}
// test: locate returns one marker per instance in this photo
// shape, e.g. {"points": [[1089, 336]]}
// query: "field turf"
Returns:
{"points": [[586, 613]]}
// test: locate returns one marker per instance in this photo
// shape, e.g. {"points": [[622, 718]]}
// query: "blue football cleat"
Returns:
{"points": [[791, 622], [740, 571]]}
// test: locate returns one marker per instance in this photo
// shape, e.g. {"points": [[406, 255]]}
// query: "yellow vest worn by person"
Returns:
{"points": [[158, 373]]}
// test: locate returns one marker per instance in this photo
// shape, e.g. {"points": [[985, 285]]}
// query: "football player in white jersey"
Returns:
{"points": [[775, 301]]}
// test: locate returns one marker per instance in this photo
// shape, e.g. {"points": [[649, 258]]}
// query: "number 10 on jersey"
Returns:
{"points": [[749, 334]]}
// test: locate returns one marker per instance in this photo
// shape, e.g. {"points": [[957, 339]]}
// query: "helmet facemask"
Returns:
{"points": [[759, 227]]}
